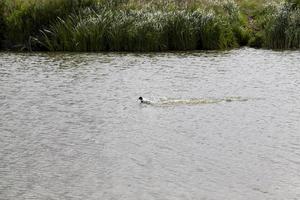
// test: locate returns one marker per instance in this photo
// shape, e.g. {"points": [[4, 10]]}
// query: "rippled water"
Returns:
{"points": [[71, 126]]}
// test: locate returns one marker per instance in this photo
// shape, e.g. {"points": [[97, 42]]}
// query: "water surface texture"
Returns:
{"points": [[71, 126]]}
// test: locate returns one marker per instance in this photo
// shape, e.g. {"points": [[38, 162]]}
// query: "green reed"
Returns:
{"points": [[283, 31], [2, 22], [139, 30], [26, 17]]}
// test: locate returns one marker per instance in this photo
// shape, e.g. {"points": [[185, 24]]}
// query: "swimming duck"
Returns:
{"points": [[144, 101]]}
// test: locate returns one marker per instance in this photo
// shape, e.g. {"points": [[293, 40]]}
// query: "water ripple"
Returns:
{"points": [[71, 126]]}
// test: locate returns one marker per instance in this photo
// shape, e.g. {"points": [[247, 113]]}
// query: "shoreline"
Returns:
{"points": [[149, 52]]}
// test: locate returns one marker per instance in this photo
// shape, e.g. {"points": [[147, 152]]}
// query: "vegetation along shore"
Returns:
{"points": [[148, 25]]}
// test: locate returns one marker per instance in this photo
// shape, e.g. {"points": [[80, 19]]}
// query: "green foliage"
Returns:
{"points": [[237, 22], [256, 40], [283, 30], [139, 30], [294, 3], [26, 18], [2, 22]]}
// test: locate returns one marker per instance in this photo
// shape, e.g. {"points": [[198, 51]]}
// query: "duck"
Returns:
{"points": [[144, 101]]}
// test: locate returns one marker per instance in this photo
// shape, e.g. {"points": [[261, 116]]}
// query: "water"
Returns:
{"points": [[71, 126]]}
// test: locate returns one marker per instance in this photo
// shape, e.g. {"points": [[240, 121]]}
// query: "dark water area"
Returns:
{"points": [[223, 125]]}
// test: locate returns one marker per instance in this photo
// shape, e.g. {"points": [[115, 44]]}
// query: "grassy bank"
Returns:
{"points": [[144, 25]]}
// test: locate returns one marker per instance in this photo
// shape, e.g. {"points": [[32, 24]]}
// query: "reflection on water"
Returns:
{"points": [[224, 125]]}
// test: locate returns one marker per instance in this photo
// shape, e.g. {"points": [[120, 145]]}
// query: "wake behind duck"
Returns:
{"points": [[193, 101]]}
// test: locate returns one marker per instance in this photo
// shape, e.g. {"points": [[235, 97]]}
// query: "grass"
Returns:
{"points": [[25, 18], [2, 23], [283, 31], [139, 31], [147, 25]]}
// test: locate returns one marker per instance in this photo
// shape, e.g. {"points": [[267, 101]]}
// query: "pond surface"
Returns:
{"points": [[223, 125]]}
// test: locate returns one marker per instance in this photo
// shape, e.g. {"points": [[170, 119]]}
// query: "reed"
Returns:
{"points": [[139, 30], [283, 31], [2, 23], [26, 17]]}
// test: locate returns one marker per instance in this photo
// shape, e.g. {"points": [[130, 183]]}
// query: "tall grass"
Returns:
{"points": [[139, 30], [26, 17], [283, 31], [145, 29], [2, 22]]}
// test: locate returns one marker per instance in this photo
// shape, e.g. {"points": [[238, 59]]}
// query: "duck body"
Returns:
{"points": [[144, 101]]}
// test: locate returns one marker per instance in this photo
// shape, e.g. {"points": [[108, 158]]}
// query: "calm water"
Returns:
{"points": [[71, 126]]}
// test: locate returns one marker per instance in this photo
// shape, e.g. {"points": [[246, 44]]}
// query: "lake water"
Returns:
{"points": [[222, 126]]}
